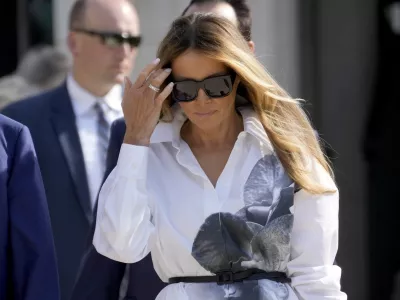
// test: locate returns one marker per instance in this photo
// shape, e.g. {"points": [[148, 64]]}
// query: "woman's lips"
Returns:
{"points": [[205, 114]]}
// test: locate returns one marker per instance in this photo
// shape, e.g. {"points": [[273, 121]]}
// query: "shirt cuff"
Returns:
{"points": [[132, 161]]}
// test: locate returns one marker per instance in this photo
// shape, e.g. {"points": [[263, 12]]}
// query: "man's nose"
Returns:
{"points": [[123, 50]]}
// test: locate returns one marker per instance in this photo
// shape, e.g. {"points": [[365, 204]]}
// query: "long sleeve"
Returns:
{"points": [[34, 265], [314, 244], [123, 225]]}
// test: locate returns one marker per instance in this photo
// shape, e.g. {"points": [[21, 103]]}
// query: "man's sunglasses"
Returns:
{"points": [[215, 87], [113, 39]]}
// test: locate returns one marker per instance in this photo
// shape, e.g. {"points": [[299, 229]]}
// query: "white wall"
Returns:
{"points": [[275, 32], [155, 19], [61, 10]]}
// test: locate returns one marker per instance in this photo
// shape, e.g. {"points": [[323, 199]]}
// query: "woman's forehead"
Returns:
{"points": [[195, 65]]}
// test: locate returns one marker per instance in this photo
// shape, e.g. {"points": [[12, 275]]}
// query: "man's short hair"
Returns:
{"points": [[77, 14], [241, 8]]}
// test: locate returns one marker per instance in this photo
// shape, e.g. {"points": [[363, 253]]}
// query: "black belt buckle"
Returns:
{"points": [[224, 277]]}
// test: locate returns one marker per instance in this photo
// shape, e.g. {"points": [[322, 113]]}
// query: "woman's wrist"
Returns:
{"points": [[137, 140]]}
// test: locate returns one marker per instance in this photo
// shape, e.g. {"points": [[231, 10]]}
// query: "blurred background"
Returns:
{"points": [[341, 56]]}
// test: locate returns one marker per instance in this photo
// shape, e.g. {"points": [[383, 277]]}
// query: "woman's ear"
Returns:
{"points": [[236, 83], [252, 46]]}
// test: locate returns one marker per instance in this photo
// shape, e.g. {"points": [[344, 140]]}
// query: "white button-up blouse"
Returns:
{"points": [[159, 199]]}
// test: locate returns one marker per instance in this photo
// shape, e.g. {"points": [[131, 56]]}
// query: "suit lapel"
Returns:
{"points": [[63, 119]]}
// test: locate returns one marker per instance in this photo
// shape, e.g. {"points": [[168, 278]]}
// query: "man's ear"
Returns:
{"points": [[72, 43], [252, 46]]}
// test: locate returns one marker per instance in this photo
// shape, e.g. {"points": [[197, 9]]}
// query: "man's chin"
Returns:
{"points": [[119, 79]]}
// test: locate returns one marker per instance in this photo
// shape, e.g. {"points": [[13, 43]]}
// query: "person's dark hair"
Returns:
{"points": [[44, 66], [77, 14], [241, 8]]}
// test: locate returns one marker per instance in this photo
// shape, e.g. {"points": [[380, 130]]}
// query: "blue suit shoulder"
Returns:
{"points": [[30, 256], [10, 130], [9, 125]]}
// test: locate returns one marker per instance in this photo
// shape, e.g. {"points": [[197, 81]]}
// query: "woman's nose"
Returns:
{"points": [[202, 97]]}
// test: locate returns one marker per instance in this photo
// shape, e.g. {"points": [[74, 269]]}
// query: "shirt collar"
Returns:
{"points": [[83, 101], [170, 132]]}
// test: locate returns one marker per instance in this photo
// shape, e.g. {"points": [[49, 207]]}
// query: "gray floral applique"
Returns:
{"points": [[258, 235]]}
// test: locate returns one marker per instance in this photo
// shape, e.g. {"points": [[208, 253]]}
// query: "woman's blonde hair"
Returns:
{"points": [[285, 122]]}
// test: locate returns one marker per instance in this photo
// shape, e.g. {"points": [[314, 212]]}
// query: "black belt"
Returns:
{"points": [[229, 277]]}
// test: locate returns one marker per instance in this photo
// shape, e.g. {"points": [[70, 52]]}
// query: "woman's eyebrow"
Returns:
{"points": [[182, 78]]}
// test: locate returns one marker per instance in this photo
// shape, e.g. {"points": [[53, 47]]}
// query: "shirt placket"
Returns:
{"points": [[216, 197]]}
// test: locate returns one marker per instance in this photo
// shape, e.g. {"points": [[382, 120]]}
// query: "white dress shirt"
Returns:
{"points": [[159, 199], [86, 122]]}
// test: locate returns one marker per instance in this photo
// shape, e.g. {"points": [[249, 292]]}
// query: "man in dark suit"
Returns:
{"points": [[382, 158], [28, 267], [100, 278], [70, 124]]}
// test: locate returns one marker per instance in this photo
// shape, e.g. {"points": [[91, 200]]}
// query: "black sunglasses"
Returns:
{"points": [[113, 39], [215, 87]]}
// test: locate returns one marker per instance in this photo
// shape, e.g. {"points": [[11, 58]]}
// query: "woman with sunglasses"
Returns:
{"points": [[220, 176]]}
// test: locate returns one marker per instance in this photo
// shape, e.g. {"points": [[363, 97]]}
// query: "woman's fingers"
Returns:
{"points": [[159, 78], [142, 105], [151, 78], [164, 94], [144, 74]]}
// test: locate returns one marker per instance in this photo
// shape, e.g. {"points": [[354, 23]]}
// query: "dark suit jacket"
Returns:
{"points": [[28, 267], [381, 132], [100, 277], [51, 121]]}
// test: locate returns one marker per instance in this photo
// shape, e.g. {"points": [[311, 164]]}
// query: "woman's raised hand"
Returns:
{"points": [[142, 103]]}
